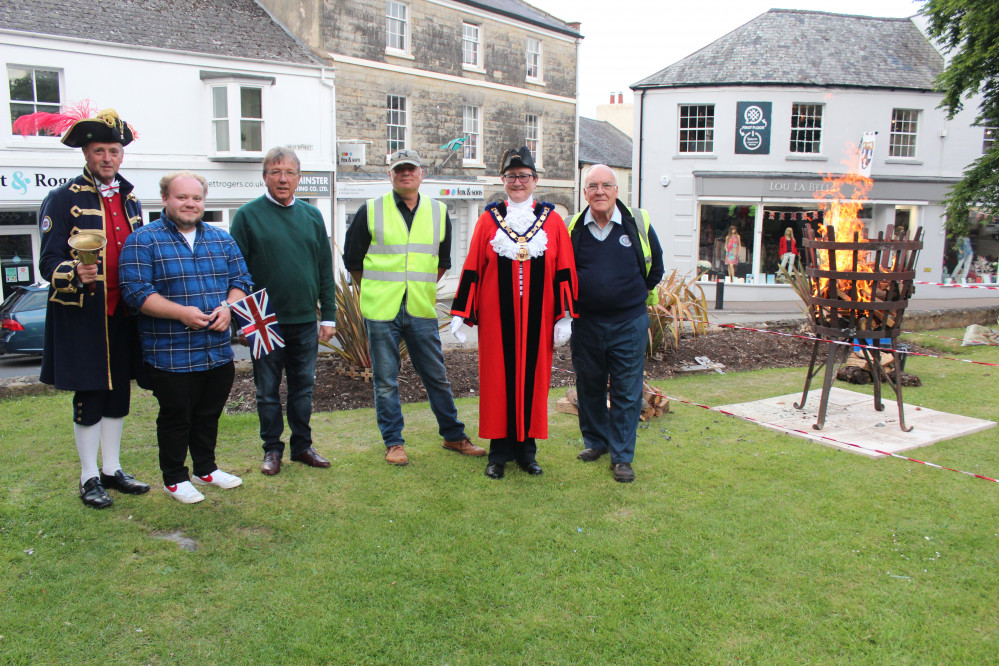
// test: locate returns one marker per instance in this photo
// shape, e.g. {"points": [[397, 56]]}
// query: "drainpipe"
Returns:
{"points": [[641, 126]]}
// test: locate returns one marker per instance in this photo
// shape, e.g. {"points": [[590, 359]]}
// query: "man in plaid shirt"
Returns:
{"points": [[181, 274]]}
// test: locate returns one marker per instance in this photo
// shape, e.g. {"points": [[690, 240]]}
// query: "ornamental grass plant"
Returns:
{"points": [[682, 309]]}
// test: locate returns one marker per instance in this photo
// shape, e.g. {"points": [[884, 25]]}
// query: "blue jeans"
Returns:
{"points": [[424, 345], [615, 350], [298, 360]]}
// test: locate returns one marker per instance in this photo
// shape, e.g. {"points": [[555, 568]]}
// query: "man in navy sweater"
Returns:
{"points": [[619, 263]]}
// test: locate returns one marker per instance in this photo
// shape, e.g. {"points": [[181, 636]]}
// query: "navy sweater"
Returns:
{"points": [[611, 287]]}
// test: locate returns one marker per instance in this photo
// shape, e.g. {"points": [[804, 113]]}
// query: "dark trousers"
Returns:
{"points": [[89, 407], [504, 450], [297, 359], [614, 351], [190, 406]]}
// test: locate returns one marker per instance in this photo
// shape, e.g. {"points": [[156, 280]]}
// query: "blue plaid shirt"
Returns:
{"points": [[156, 259]]}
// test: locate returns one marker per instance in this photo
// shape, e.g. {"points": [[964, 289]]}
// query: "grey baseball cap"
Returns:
{"points": [[405, 156]]}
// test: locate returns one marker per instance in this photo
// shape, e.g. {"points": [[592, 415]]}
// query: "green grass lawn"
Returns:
{"points": [[735, 544]]}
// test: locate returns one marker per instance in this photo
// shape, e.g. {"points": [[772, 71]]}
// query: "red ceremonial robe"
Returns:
{"points": [[515, 330]]}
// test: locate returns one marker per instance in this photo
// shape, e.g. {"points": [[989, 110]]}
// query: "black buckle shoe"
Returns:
{"points": [[92, 493], [532, 468], [124, 482], [494, 470]]}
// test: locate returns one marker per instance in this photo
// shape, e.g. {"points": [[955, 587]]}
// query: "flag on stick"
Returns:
{"points": [[257, 321]]}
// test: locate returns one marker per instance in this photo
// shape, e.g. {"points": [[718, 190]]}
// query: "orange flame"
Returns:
{"points": [[841, 201]]}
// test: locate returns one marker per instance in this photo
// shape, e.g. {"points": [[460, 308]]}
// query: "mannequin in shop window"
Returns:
{"points": [[965, 254], [733, 244], [788, 250]]}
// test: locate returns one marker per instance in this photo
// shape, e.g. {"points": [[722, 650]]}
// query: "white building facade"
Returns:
{"points": [[212, 114], [714, 152]]}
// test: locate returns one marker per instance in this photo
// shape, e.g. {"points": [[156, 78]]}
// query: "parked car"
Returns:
{"points": [[22, 320]]}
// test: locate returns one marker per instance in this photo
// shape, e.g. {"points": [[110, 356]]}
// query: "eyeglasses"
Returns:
{"points": [[515, 177], [277, 174], [593, 187]]}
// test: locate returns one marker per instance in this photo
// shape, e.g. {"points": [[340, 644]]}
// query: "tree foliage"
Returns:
{"points": [[968, 31]]}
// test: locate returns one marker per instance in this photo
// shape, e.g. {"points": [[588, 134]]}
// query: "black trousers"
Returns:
{"points": [[504, 450], [190, 406], [89, 407]]}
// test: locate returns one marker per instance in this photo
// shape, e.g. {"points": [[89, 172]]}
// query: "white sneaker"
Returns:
{"points": [[218, 478], [184, 492]]}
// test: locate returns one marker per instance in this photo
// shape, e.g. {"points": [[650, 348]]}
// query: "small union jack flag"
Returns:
{"points": [[257, 321]]}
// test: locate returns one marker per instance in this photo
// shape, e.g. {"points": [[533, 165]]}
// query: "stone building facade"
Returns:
{"points": [[422, 73]]}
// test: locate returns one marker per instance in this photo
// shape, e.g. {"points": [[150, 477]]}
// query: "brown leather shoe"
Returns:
{"points": [[396, 455], [271, 464], [311, 458], [465, 448]]}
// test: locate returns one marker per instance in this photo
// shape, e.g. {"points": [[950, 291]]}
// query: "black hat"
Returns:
{"points": [[517, 158], [105, 127]]}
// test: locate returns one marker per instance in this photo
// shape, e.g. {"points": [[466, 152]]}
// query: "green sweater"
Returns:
{"points": [[288, 254]]}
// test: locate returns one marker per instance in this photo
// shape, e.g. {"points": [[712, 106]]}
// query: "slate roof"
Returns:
{"points": [[239, 28], [602, 143], [524, 12], [808, 48]]}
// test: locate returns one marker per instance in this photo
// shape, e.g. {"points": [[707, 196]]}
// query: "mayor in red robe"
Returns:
{"points": [[518, 280]]}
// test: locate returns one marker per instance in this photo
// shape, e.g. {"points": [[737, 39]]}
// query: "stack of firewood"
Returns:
{"points": [[654, 403]]}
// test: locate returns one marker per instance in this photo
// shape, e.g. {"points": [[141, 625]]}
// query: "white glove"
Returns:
{"points": [[563, 329], [456, 323]]}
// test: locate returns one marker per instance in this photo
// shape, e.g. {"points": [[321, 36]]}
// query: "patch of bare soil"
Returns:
{"points": [[737, 350]]}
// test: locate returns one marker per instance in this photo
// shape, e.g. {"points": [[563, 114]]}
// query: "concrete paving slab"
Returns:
{"points": [[852, 419]]}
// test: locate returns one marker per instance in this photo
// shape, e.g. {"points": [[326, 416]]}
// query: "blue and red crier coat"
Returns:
{"points": [[515, 331], [75, 355]]}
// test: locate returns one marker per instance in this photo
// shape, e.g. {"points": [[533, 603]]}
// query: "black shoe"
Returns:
{"points": [[623, 472], [532, 468], [494, 470], [589, 455], [93, 494], [124, 482]]}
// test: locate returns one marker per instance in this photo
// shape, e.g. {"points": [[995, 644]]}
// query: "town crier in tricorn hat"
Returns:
{"points": [[91, 344]]}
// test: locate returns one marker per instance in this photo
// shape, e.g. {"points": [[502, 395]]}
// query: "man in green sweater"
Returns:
{"points": [[285, 245]]}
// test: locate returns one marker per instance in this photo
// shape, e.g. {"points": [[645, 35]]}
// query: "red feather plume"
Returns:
{"points": [[54, 124]]}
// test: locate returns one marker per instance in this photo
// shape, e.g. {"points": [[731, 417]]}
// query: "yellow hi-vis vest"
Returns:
{"points": [[643, 235], [401, 262]]}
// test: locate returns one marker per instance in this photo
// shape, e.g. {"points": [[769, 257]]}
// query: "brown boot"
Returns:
{"points": [[396, 455], [465, 448]]}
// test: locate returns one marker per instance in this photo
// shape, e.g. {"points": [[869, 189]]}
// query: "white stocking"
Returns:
{"points": [[88, 441], [111, 444]]}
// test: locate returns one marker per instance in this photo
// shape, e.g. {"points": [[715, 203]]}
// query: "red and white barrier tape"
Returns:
{"points": [[851, 344], [955, 285], [836, 441]]}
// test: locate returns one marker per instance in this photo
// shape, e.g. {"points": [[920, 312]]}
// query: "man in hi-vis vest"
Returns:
{"points": [[619, 262], [397, 247]]}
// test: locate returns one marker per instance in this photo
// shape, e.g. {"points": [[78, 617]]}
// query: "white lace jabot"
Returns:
{"points": [[520, 217]]}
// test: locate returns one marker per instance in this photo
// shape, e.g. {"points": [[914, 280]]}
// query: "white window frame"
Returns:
{"points": [[234, 120], [903, 140], [401, 126], [700, 134], [532, 137], [806, 128], [51, 107], [397, 27], [989, 138], [471, 121], [534, 60], [471, 43]]}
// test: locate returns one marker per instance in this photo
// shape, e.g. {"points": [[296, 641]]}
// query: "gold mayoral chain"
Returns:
{"points": [[521, 240]]}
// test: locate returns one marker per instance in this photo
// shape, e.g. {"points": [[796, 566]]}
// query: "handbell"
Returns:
{"points": [[87, 245]]}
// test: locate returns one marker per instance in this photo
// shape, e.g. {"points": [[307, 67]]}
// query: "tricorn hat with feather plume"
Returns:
{"points": [[79, 125]]}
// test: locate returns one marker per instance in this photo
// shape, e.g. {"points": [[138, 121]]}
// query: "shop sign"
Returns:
{"points": [[315, 184], [350, 154], [791, 187], [752, 128], [459, 192], [18, 183]]}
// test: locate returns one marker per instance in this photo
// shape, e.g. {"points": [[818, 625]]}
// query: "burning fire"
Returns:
{"points": [[841, 202]]}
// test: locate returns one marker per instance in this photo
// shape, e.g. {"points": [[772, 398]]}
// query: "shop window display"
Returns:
{"points": [[716, 222]]}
